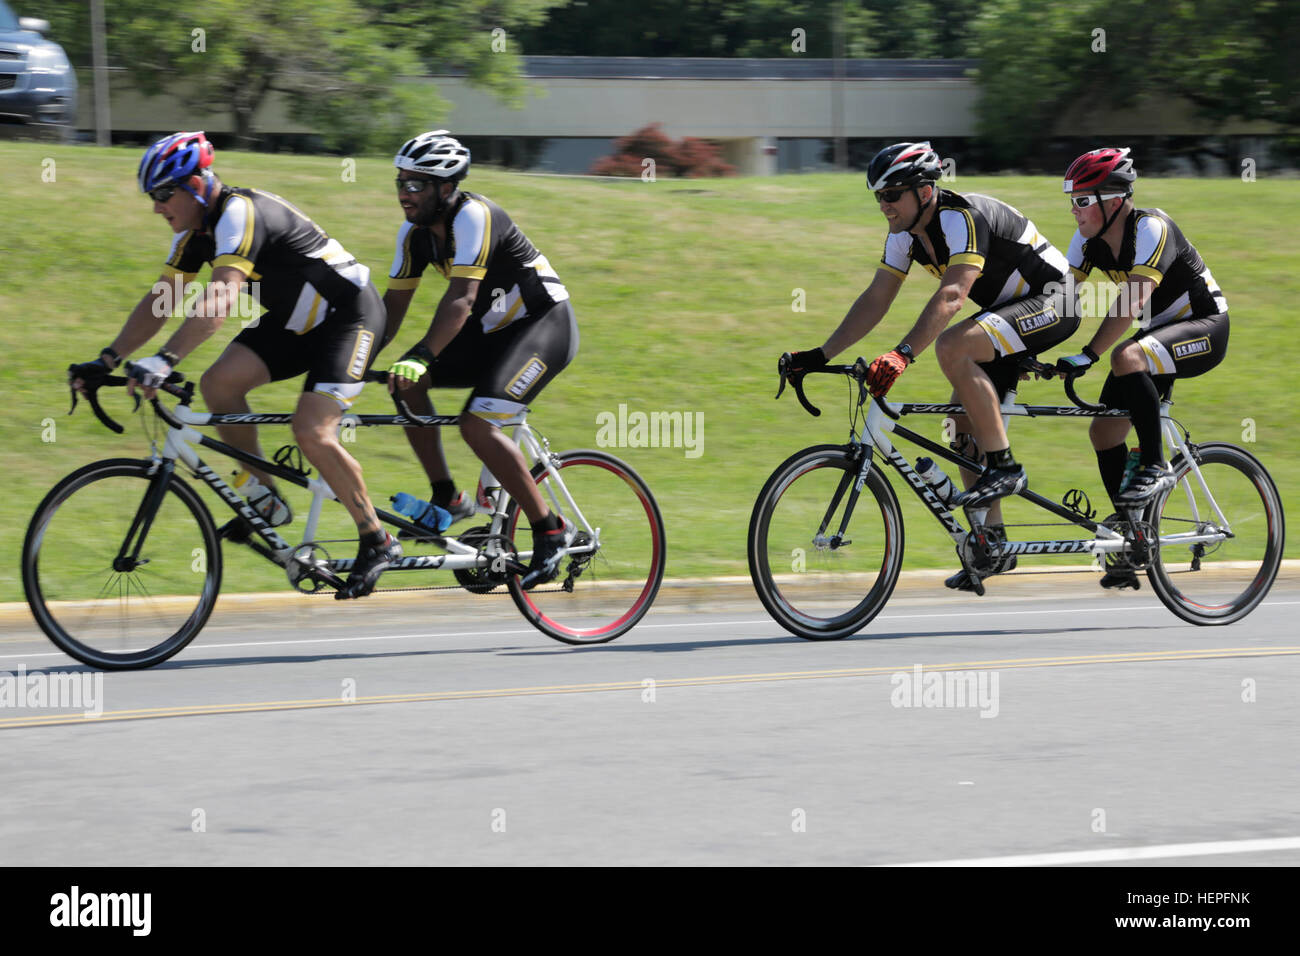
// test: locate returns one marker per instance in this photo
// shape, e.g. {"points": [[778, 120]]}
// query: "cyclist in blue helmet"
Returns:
{"points": [[323, 317]]}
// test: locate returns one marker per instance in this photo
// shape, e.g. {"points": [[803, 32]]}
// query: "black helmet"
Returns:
{"points": [[903, 164]]}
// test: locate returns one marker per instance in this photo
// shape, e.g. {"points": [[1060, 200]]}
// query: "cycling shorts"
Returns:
{"points": [[1177, 350], [335, 354], [509, 367], [1024, 327]]}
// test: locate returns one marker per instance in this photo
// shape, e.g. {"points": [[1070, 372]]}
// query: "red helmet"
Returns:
{"points": [[1109, 168]]}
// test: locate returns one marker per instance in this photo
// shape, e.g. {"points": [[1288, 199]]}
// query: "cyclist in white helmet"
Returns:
{"points": [[503, 327]]}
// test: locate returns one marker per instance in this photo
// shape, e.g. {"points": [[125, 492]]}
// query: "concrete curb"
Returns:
{"points": [[684, 593]]}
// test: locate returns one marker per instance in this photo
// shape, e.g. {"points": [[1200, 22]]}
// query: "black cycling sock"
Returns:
{"points": [[374, 539], [1002, 459], [443, 492], [1144, 410], [1110, 462], [550, 523]]}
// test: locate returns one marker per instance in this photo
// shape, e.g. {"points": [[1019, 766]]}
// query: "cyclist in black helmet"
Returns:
{"points": [[978, 248]]}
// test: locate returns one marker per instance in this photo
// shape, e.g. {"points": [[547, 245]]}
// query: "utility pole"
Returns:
{"points": [[99, 46], [837, 89]]}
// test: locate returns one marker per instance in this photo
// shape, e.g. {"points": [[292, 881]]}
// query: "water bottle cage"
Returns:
{"points": [[290, 457], [1078, 502]]}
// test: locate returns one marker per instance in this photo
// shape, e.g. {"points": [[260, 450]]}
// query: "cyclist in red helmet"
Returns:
{"points": [[1183, 316], [323, 317], [979, 248]]}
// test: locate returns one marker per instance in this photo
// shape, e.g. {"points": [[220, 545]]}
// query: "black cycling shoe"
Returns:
{"points": [[369, 565], [992, 484], [1119, 578], [961, 580], [1119, 573], [549, 549], [1147, 482]]}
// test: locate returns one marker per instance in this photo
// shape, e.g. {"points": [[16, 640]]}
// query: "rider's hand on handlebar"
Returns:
{"points": [[87, 373], [884, 372], [410, 368], [1076, 364], [148, 373], [808, 361]]}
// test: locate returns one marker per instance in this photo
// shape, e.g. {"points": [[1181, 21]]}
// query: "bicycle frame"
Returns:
{"points": [[182, 436], [878, 427]]}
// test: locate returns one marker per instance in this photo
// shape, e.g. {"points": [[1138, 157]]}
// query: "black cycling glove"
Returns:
{"points": [[807, 361]]}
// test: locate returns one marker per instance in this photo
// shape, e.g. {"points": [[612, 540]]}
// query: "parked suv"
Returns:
{"points": [[37, 84]]}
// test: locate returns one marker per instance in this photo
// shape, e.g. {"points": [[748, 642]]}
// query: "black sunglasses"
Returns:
{"points": [[413, 185], [891, 195], [162, 193]]}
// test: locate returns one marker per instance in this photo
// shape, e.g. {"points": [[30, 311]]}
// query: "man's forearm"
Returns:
{"points": [[862, 317], [141, 325], [447, 323], [194, 331], [935, 317], [1112, 329]]}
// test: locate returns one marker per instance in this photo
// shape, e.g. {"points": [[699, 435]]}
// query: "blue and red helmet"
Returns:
{"points": [[173, 160]]}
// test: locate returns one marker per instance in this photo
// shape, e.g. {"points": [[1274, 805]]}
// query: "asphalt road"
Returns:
{"points": [[1088, 725]]}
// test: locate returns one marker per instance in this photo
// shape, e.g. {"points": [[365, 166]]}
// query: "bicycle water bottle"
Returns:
{"points": [[423, 513], [933, 476]]}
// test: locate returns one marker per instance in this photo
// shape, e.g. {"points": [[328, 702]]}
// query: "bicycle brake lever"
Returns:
{"points": [[782, 371]]}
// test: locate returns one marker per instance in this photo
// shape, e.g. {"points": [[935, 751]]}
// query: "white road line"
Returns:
{"points": [[644, 627], [1168, 851]]}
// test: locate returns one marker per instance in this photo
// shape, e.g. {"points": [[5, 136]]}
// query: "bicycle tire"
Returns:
{"points": [[79, 526], [861, 574], [1229, 580], [613, 589]]}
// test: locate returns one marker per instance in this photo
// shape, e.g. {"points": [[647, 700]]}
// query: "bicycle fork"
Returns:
{"points": [[857, 480]]}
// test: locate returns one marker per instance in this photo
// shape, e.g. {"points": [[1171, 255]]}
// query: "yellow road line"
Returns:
{"points": [[204, 710]]}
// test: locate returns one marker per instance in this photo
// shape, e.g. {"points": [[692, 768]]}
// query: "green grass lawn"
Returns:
{"points": [[683, 292]]}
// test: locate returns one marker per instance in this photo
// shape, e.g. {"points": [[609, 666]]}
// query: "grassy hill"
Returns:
{"points": [[683, 292]]}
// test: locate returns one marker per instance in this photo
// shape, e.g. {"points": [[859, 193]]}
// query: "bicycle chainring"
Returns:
{"points": [[482, 580], [303, 566]]}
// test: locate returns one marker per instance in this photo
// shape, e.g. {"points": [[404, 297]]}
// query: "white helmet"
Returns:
{"points": [[435, 154]]}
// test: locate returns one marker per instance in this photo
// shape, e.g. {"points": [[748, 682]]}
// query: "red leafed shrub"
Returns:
{"points": [[691, 158]]}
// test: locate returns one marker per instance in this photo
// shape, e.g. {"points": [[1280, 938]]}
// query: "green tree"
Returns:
{"points": [[345, 66], [1039, 62]]}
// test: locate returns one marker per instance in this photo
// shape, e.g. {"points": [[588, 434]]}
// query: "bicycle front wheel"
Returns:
{"points": [[814, 586], [610, 579], [1234, 504], [119, 573]]}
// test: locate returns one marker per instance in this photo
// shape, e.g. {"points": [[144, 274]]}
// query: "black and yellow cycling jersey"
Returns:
{"points": [[1154, 246], [483, 243], [296, 271], [1013, 257]]}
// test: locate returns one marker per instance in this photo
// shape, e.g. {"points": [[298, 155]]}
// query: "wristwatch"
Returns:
{"points": [[905, 350]]}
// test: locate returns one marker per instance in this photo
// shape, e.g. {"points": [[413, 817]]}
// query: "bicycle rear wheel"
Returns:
{"points": [[113, 582], [1223, 580], [599, 594], [812, 588]]}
